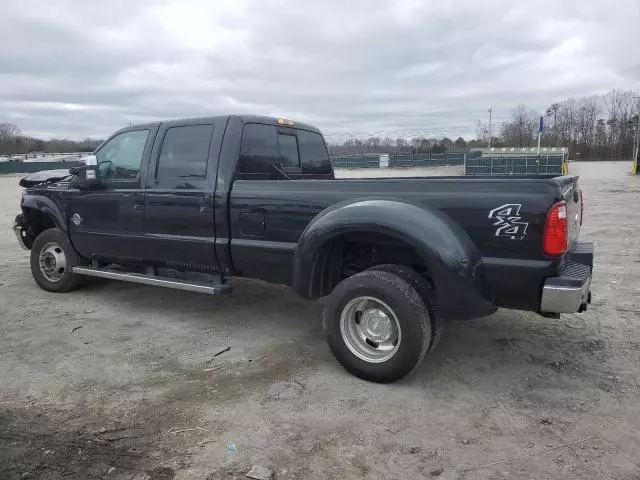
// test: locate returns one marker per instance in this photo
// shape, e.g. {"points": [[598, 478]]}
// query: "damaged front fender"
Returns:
{"points": [[21, 233]]}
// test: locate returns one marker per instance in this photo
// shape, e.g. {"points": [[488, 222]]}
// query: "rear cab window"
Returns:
{"points": [[270, 152]]}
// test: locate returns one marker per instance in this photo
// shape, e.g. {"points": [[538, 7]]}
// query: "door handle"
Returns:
{"points": [[205, 202], [136, 196], [137, 208]]}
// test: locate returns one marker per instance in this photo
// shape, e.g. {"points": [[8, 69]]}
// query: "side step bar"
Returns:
{"points": [[201, 287]]}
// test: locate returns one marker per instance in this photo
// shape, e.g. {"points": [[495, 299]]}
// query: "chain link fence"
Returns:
{"points": [[30, 167], [399, 161], [524, 165]]}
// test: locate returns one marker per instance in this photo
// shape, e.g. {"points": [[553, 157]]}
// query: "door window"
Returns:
{"points": [[120, 157], [258, 152], [313, 154], [288, 148], [268, 154], [185, 152]]}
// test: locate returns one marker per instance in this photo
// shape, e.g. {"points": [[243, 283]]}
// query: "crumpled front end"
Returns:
{"points": [[44, 177], [21, 232]]}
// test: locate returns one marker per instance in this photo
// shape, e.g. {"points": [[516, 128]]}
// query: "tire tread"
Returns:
{"points": [[414, 314]]}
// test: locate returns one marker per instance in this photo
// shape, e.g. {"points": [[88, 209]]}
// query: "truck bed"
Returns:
{"points": [[288, 207]]}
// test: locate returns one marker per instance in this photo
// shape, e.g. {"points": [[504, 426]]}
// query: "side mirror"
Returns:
{"points": [[87, 177], [91, 167]]}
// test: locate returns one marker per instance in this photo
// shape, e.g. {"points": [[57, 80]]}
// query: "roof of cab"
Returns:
{"points": [[243, 118], [273, 121]]}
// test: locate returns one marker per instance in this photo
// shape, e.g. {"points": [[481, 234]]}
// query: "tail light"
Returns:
{"points": [[581, 207], [556, 230]]}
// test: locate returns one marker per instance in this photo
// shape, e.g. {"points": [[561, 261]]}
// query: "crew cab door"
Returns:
{"points": [[268, 208], [109, 222], [179, 214]]}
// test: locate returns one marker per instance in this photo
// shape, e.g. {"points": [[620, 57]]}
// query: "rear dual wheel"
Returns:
{"points": [[380, 322]]}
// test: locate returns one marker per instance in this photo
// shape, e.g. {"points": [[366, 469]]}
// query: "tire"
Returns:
{"points": [[377, 326], [426, 292], [52, 260]]}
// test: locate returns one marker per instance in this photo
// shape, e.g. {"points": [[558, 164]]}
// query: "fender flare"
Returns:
{"points": [[452, 259], [48, 207]]}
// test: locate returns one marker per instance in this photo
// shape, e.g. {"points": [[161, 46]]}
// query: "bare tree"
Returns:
{"points": [[585, 125], [9, 135], [552, 113], [520, 131], [482, 132], [8, 131]]}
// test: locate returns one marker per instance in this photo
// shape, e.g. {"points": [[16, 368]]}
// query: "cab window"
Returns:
{"points": [[270, 153], [185, 152], [120, 158]]}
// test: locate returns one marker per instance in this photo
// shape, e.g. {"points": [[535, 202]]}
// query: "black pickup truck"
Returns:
{"points": [[249, 196]]}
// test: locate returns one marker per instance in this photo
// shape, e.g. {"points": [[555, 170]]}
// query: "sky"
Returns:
{"points": [[78, 68]]}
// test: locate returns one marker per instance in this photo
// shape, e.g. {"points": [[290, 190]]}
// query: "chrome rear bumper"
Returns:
{"points": [[571, 291], [560, 296]]}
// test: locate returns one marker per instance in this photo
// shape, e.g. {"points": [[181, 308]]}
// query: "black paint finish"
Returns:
{"points": [[113, 216], [444, 219], [179, 224], [275, 230]]}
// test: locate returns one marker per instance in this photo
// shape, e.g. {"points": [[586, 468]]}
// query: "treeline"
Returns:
{"points": [[599, 126], [401, 146], [13, 142]]}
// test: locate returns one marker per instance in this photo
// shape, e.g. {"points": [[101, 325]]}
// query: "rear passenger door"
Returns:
{"points": [[269, 205], [179, 214]]}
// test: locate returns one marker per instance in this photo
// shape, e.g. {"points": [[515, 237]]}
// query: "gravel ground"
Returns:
{"points": [[121, 381]]}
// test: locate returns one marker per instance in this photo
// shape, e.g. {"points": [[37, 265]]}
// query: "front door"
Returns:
{"points": [[108, 222], [179, 213]]}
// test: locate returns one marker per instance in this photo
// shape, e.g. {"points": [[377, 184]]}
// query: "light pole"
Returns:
{"points": [[636, 145], [490, 128]]}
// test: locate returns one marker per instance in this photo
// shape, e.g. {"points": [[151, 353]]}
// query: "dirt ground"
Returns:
{"points": [[120, 381]]}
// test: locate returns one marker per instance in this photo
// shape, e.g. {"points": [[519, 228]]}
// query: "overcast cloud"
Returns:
{"points": [[80, 68]]}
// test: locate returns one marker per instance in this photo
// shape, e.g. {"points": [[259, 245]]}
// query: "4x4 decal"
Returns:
{"points": [[507, 219]]}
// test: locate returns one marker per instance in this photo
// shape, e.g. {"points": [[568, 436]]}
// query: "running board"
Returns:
{"points": [[201, 287]]}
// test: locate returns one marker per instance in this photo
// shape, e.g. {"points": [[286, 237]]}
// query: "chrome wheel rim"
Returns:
{"points": [[52, 261], [370, 329]]}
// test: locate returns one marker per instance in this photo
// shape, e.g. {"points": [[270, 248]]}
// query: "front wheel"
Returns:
{"points": [[52, 262], [377, 326]]}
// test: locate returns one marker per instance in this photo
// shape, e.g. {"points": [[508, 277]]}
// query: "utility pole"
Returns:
{"points": [[540, 133], [490, 128], [636, 145]]}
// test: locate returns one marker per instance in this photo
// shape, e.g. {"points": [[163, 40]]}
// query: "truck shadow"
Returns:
{"points": [[495, 351], [251, 304], [522, 355]]}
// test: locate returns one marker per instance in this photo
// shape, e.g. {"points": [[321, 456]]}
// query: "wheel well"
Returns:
{"points": [[35, 222], [351, 253]]}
